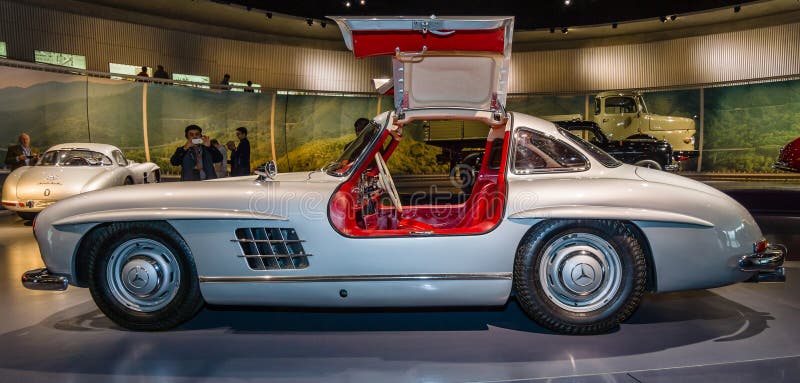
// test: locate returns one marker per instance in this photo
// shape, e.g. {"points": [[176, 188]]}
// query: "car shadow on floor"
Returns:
{"points": [[89, 343]]}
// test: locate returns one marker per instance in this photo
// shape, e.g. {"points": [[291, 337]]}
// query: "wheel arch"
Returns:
{"points": [[81, 258], [641, 238]]}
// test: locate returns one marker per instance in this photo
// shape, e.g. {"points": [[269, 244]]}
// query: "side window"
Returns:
{"points": [[619, 105], [596, 106], [119, 158], [535, 152]]}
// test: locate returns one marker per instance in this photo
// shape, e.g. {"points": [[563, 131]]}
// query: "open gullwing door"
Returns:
{"points": [[438, 62]]}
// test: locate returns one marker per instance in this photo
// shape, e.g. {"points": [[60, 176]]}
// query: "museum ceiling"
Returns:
{"points": [[528, 14], [550, 24]]}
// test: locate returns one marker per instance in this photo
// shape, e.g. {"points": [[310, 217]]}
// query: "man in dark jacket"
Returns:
{"points": [[240, 158], [196, 157], [22, 154]]}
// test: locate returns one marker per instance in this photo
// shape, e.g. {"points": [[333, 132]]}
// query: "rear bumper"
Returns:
{"points": [[41, 279], [767, 263]]}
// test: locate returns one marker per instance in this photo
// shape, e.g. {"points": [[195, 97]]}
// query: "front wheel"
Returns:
{"points": [[580, 277], [142, 276]]}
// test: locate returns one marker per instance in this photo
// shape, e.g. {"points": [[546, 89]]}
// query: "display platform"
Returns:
{"points": [[738, 333]]}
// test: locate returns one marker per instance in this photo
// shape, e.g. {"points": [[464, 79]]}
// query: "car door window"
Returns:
{"points": [[619, 105], [534, 152]]}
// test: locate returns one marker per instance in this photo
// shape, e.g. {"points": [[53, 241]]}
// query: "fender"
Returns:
{"points": [[609, 212], [161, 214]]}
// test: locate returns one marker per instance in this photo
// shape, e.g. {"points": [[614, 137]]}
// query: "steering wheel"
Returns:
{"points": [[386, 183]]}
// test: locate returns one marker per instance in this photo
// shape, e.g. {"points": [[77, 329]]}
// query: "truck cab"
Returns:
{"points": [[624, 115]]}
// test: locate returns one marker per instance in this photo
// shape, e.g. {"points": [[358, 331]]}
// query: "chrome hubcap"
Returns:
{"points": [[580, 272], [143, 275]]}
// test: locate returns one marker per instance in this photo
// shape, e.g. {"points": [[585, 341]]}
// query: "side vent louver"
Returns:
{"points": [[270, 248]]}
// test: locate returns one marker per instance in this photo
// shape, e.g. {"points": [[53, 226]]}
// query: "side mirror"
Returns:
{"points": [[268, 170]]}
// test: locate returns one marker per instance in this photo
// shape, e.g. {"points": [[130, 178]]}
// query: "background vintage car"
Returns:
{"points": [[568, 229], [623, 115], [68, 169], [789, 157], [646, 152]]}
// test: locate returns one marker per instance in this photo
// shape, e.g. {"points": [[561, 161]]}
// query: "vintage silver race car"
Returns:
{"points": [[69, 169], [552, 219]]}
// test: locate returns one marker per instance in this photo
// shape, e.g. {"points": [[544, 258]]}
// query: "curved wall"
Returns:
{"points": [[732, 56], [723, 57]]}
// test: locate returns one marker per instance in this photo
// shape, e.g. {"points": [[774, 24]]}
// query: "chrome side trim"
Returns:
{"points": [[268, 240], [362, 278], [274, 255]]}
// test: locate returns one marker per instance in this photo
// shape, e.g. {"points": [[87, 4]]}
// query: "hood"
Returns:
{"points": [[54, 182], [658, 122], [308, 176]]}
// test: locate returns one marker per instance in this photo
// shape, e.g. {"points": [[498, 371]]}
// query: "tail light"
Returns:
{"points": [[760, 246], [681, 158]]}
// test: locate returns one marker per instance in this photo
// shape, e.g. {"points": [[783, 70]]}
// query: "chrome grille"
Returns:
{"points": [[271, 248]]}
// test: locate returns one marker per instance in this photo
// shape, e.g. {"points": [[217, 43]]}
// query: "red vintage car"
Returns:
{"points": [[789, 157]]}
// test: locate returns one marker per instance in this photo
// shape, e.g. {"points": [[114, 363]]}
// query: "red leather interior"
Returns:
{"points": [[480, 213]]}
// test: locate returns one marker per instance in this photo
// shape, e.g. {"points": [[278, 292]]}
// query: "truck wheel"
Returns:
{"points": [[143, 277], [580, 277], [648, 164]]}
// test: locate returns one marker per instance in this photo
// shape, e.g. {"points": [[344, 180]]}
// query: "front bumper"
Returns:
{"points": [[41, 279], [671, 168], [767, 263], [780, 165]]}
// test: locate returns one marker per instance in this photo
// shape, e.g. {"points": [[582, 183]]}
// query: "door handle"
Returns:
{"points": [[420, 233]]}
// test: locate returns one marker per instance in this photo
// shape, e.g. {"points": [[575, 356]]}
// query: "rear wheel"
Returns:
{"points": [[580, 277], [27, 216], [142, 276]]}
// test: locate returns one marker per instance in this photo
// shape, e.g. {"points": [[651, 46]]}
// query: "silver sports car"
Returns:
{"points": [[69, 169], [570, 231]]}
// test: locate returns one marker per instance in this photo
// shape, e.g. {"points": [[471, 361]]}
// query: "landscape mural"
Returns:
{"points": [[745, 125]]}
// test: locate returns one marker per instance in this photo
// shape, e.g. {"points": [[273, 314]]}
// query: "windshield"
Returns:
{"points": [[353, 151], [75, 157], [598, 154]]}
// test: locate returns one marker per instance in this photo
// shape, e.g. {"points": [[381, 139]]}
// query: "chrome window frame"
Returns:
{"points": [[513, 155]]}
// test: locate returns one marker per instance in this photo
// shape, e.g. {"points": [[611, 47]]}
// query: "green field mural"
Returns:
{"points": [[745, 125]]}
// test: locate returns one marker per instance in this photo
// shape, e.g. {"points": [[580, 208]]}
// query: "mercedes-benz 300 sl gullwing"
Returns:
{"points": [[68, 169], [568, 230]]}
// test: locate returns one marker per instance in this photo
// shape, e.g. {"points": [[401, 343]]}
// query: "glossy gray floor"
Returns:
{"points": [[741, 333]]}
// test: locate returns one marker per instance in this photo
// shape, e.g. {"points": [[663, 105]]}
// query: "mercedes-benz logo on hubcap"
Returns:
{"points": [[582, 274], [138, 277]]}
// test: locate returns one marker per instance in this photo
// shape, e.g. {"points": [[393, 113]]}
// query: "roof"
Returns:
{"points": [[100, 148]]}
